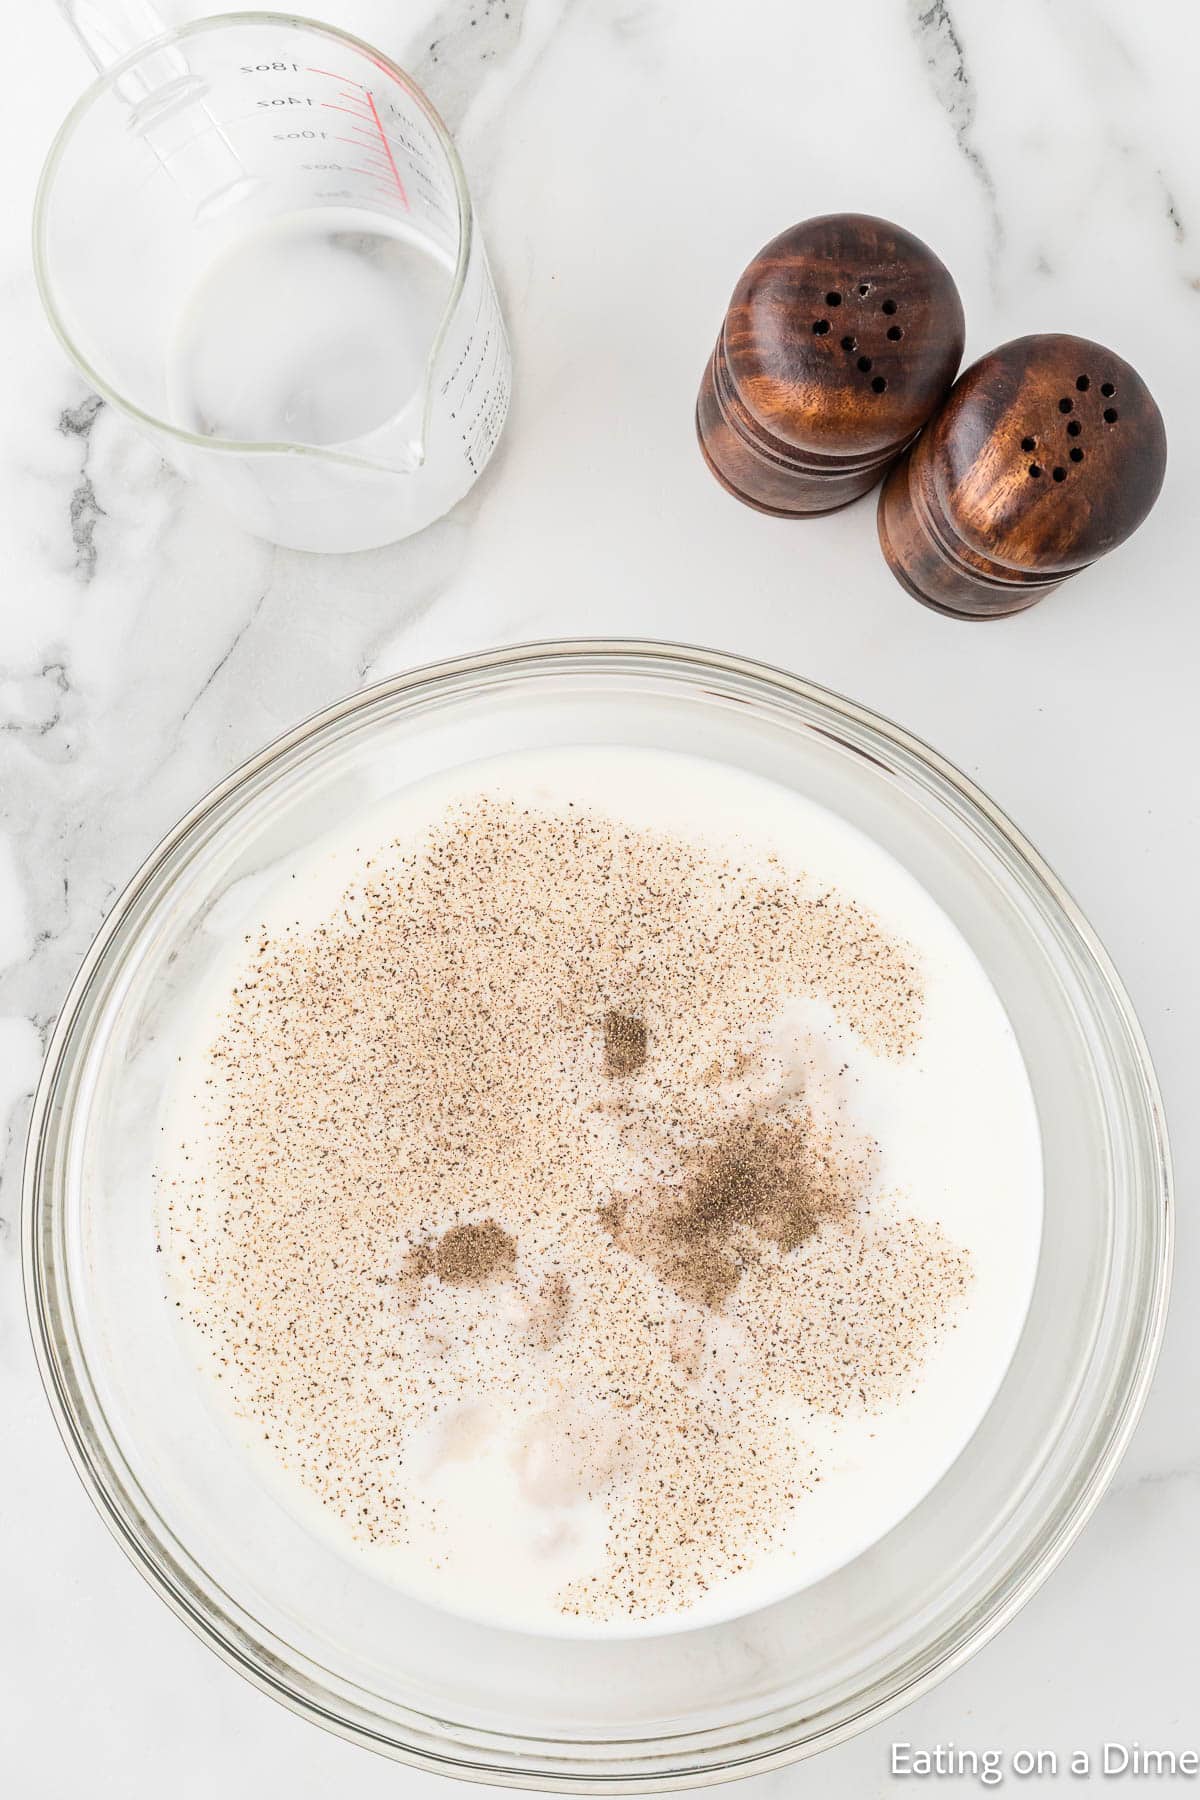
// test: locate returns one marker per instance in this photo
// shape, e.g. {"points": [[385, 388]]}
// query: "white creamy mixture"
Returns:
{"points": [[502, 1416]]}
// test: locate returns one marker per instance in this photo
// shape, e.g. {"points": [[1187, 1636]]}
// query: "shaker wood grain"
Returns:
{"points": [[1048, 453], [842, 337]]}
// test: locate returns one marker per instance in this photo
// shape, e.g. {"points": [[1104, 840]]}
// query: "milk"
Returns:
{"points": [[314, 329], [499, 1528]]}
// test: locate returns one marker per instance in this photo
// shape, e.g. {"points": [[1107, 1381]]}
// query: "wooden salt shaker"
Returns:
{"points": [[841, 339], [1048, 452]]}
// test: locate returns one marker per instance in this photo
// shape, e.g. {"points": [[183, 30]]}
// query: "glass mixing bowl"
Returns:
{"points": [[314, 1629]]}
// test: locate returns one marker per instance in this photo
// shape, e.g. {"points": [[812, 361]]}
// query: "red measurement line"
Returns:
{"points": [[373, 176], [387, 147], [371, 136], [357, 144], [369, 146], [345, 109], [334, 77]]}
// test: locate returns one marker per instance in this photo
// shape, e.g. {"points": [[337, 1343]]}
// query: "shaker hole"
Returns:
{"points": [[849, 343], [895, 332], [878, 385], [1111, 415], [1076, 454], [1060, 474], [889, 306], [820, 327], [864, 288], [1107, 389], [1066, 405], [864, 363], [1035, 469], [1082, 383], [1029, 443], [1074, 428], [833, 299]]}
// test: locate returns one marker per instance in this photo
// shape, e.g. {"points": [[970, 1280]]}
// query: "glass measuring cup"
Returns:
{"points": [[254, 236]]}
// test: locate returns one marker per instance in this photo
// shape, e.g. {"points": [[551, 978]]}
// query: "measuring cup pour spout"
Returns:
{"points": [[254, 236]]}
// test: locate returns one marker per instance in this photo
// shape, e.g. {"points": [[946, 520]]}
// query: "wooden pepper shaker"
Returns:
{"points": [[841, 339], [1049, 451]]}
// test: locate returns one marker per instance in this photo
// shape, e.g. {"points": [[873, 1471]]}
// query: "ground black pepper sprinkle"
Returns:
{"points": [[625, 1042], [509, 1127], [474, 1254]]}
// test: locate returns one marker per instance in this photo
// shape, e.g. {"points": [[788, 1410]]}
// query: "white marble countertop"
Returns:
{"points": [[628, 157]]}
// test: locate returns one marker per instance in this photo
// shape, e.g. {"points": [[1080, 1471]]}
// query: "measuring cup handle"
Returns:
{"points": [[110, 30]]}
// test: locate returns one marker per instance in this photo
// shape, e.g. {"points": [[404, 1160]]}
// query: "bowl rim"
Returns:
{"points": [[120, 1511]]}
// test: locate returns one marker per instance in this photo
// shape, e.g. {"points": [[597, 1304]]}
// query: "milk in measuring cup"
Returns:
{"points": [[314, 329], [256, 238]]}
